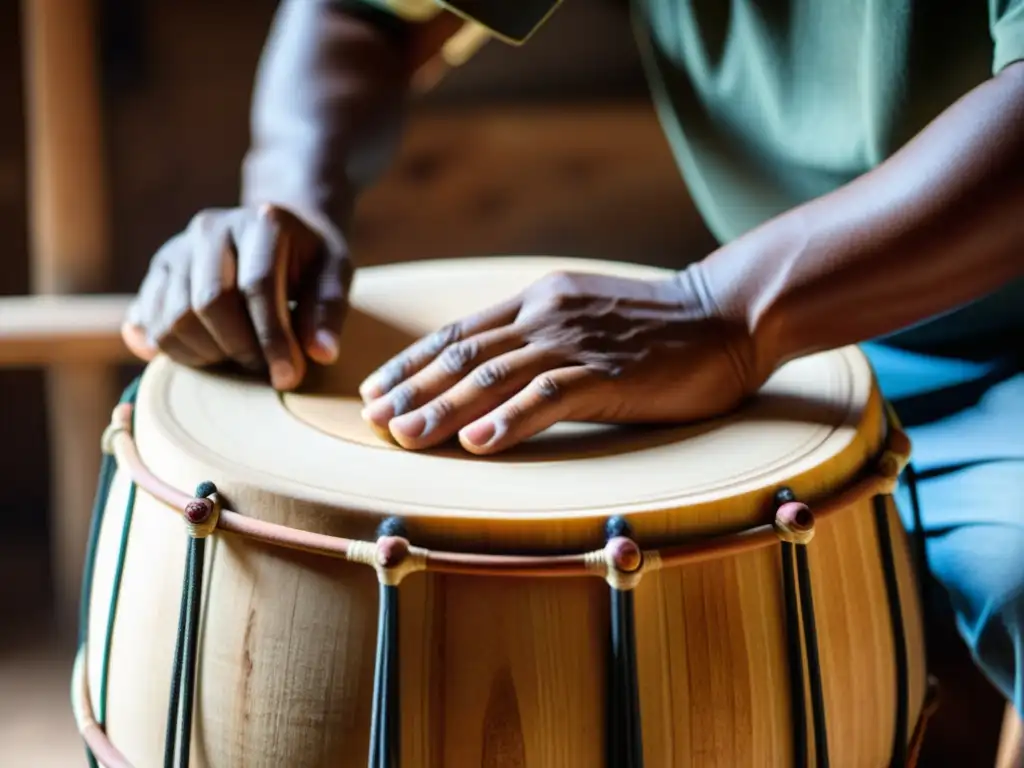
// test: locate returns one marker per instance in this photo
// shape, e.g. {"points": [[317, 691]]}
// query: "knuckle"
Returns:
{"points": [[491, 374], [257, 285], [202, 220], [171, 255], [270, 212], [210, 222], [168, 323], [547, 387], [558, 277], [205, 297], [402, 399], [457, 357], [393, 372], [444, 336], [560, 302], [511, 413], [559, 282], [439, 410]]}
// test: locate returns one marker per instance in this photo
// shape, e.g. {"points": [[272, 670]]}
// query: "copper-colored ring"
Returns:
{"points": [[95, 738], [497, 565]]}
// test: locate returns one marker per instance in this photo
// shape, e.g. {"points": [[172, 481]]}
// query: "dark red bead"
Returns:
{"points": [[198, 511]]}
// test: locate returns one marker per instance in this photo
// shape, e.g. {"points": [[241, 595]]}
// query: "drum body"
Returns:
{"points": [[499, 670]]}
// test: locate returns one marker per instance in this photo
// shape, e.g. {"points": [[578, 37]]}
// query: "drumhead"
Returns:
{"points": [[813, 427]]}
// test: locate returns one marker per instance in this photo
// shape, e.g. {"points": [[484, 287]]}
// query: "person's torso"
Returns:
{"points": [[770, 103]]}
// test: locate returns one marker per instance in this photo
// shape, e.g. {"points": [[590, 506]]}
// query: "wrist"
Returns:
{"points": [[745, 283], [738, 340]]}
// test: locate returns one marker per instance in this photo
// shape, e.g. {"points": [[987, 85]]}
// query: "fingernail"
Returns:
{"points": [[379, 412], [282, 374], [370, 390], [325, 347], [410, 425], [479, 434], [138, 342]]}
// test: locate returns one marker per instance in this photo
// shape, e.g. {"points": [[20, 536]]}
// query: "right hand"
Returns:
{"points": [[223, 290]]}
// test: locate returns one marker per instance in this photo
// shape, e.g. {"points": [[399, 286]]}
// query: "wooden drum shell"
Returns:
{"points": [[494, 671]]}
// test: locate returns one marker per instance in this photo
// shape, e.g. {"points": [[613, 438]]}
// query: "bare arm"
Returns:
{"points": [[938, 225], [326, 111], [326, 118]]}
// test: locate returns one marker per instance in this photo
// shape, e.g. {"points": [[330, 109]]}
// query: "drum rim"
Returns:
{"points": [[880, 475], [838, 457]]}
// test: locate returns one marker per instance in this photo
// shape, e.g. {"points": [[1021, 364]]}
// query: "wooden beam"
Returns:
{"points": [[69, 236], [48, 330]]}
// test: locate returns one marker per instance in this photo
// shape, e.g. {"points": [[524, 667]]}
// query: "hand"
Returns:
{"points": [[574, 347], [220, 291]]}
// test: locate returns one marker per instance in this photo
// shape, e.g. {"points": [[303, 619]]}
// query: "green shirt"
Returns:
{"points": [[769, 104]]}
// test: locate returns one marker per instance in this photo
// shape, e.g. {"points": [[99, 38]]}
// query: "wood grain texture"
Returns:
{"points": [[498, 672]]}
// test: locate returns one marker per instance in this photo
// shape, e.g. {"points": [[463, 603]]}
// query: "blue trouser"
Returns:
{"points": [[966, 422]]}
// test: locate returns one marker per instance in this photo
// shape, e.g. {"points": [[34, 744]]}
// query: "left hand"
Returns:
{"points": [[578, 347]]}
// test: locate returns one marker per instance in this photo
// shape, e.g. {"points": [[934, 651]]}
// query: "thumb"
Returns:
{"points": [[321, 308]]}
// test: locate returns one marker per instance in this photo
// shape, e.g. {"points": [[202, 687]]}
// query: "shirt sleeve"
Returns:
{"points": [[1006, 21]]}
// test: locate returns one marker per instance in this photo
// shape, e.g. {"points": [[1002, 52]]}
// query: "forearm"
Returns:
{"points": [[326, 111], [939, 224]]}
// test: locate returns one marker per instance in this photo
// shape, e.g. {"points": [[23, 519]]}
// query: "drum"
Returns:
{"points": [[272, 584]]}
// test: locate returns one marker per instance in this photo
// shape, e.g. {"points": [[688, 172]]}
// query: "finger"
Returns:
{"points": [[134, 334], [417, 356], [178, 333], [146, 310], [188, 330], [262, 279], [485, 389], [215, 298], [444, 372], [551, 397], [321, 309]]}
